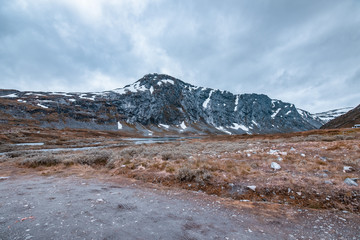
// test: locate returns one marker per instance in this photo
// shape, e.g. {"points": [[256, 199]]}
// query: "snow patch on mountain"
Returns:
{"points": [[182, 125], [164, 126], [332, 114], [236, 103], [166, 81], [237, 126], [275, 113], [223, 130], [207, 101], [13, 95]]}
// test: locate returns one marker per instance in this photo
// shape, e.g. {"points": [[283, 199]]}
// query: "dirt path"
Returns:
{"points": [[35, 207]]}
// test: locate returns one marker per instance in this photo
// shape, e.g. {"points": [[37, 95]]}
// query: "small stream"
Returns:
{"points": [[125, 142]]}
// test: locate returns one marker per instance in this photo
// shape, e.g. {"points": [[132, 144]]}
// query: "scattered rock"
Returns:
{"points": [[322, 175], [4, 178], [273, 152], [252, 187], [275, 166], [100, 200], [348, 169], [350, 182]]}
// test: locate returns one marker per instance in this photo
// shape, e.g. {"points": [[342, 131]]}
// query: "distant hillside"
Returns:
{"points": [[331, 114], [346, 120]]}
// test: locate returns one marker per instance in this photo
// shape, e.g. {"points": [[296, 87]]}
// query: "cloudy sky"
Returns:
{"points": [[306, 52]]}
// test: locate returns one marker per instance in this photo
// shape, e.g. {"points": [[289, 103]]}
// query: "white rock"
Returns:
{"points": [[347, 169], [252, 187], [350, 182], [275, 166]]}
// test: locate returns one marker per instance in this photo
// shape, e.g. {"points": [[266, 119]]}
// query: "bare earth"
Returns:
{"points": [[35, 207]]}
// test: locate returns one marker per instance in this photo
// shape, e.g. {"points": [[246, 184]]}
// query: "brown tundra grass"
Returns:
{"points": [[312, 166]]}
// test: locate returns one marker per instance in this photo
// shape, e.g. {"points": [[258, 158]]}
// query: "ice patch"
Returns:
{"points": [[72, 100], [119, 125], [29, 144], [164, 126], [40, 105], [237, 126], [13, 95], [20, 100], [207, 101], [151, 89], [288, 112]]}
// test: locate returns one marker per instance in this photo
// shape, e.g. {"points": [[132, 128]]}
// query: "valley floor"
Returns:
{"points": [[229, 177]]}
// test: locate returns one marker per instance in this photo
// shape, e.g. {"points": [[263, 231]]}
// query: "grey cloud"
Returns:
{"points": [[295, 51]]}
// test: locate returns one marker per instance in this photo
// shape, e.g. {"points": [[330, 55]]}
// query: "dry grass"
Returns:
{"points": [[311, 166]]}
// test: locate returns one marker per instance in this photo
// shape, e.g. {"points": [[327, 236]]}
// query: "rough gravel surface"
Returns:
{"points": [[36, 207]]}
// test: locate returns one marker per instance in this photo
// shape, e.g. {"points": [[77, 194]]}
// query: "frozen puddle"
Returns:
{"points": [[125, 142], [157, 140], [29, 144]]}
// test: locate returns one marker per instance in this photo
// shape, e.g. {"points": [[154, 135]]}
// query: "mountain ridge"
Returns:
{"points": [[347, 120], [158, 103]]}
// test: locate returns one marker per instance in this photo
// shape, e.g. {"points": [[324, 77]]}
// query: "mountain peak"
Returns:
{"points": [[156, 79]]}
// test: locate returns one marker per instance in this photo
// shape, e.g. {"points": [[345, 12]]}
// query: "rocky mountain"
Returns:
{"points": [[346, 120], [331, 114], [158, 104]]}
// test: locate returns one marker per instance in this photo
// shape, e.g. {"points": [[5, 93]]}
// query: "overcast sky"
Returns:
{"points": [[306, 52]]}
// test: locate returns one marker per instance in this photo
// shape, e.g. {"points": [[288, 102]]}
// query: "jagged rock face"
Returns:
{"points": [[347, 120], [158, 103]]}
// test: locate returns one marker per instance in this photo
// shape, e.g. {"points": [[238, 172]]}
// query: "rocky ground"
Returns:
{"points": [[300, 185]]}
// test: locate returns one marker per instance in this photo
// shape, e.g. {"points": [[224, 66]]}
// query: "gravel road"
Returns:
{"points": [[36, 207]]}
